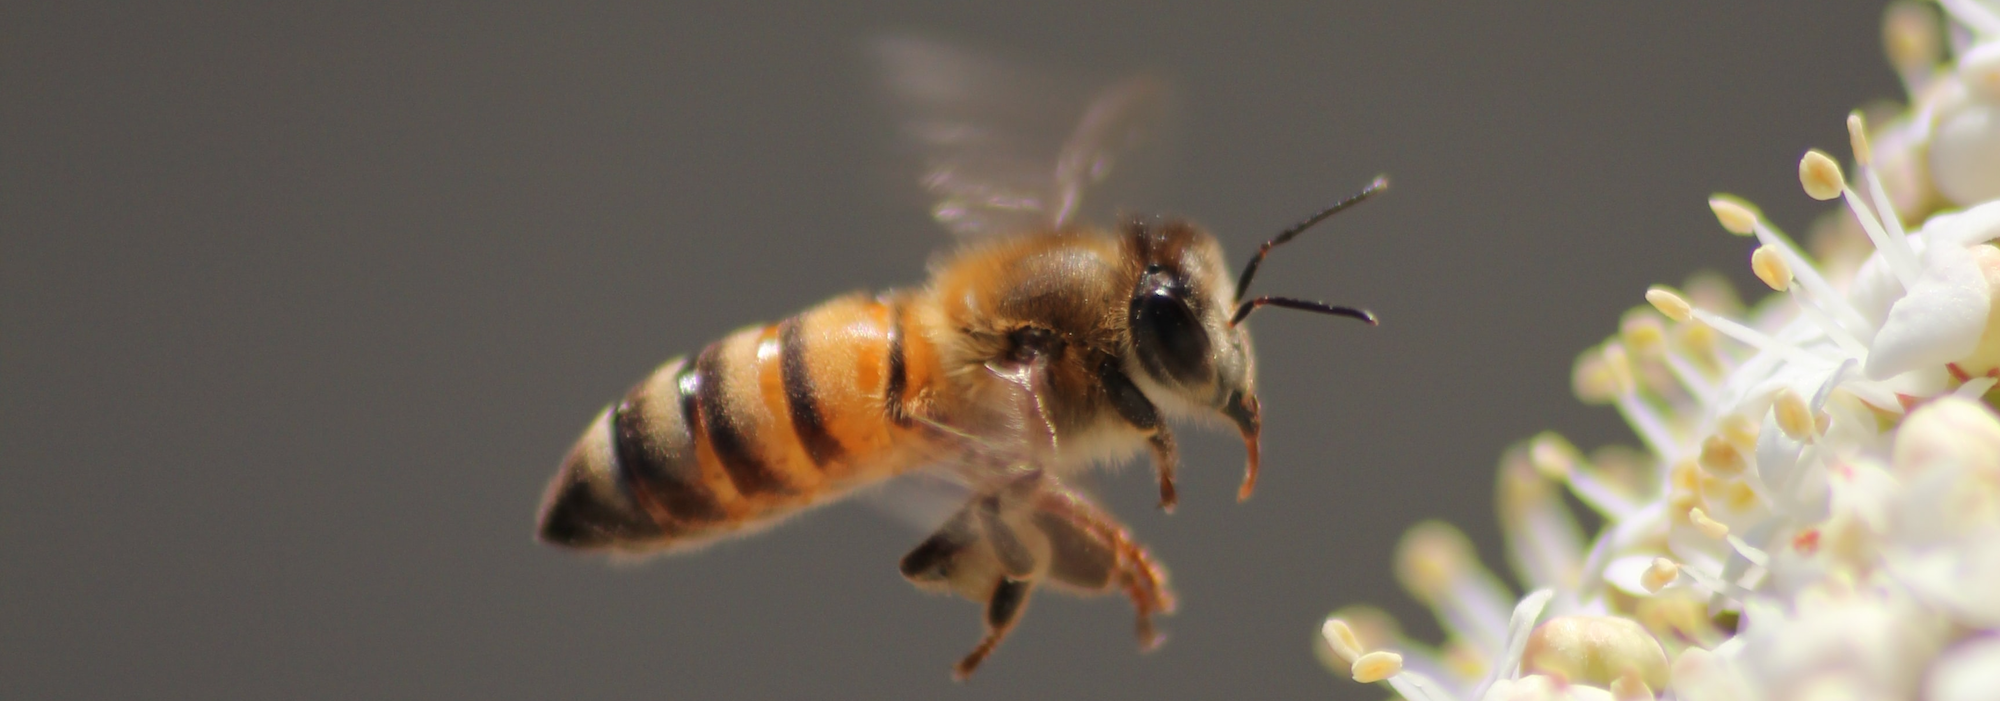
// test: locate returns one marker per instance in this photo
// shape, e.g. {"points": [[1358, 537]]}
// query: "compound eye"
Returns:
{"points": [[1169, 340]]}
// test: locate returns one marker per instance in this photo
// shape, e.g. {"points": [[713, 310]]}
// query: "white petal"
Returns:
{"points": [[1975, 225], [1939, 321], [1627, 573], [1968, 672]]}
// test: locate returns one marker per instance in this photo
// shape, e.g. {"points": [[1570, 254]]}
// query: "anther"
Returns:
{"points": [[1719, 456], [1820, 175], [1910, 37], [1857, 139], [1771, 267], [1669, 303], [1592, 380], [1620, 364], [1660, 574], [1794, 417], [1736, 217], [1739, 430], [1377, 666], [1552, 456], [1708, 526], [1341, 639], [1642, 332]]}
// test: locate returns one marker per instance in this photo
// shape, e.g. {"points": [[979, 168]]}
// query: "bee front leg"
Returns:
{"points": [[1136, 409]]}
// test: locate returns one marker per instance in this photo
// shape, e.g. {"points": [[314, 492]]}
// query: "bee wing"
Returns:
{"points": [[1005, 150], [987, 453]]}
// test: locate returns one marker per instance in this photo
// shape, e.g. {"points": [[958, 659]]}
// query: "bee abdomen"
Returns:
{"points": [[634, 475], [760, 423]]}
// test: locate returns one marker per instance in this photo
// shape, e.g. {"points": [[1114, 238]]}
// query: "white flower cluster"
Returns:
{"points": [[1816, 511]]}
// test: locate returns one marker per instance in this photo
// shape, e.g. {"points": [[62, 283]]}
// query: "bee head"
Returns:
{"points": [[1185, 320], [1184, 348]]}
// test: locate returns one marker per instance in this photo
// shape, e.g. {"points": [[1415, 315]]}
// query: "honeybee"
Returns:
{"points": [[1041, 346]]}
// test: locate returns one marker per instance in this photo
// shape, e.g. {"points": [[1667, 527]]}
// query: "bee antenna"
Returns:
{"points": [[1243, 311], [1250, 271]]}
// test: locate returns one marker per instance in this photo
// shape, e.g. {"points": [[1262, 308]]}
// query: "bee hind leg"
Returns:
{"points": [[1092, 552], [981, 556], [1003, 608]]}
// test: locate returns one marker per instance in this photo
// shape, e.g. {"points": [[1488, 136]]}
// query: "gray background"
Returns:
{"points": [[299, 307]]}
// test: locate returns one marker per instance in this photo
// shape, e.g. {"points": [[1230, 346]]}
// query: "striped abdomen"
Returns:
{"points": [[765, 421]]}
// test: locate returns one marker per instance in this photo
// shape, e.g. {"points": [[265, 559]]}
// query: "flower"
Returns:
{"points": [[1815, 512]]}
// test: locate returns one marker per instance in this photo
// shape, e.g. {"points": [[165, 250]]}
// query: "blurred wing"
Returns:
{"points": [[1004, 150], [989, 453]]}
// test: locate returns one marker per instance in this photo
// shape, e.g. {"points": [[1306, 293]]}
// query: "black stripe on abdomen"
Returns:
{"points": [[807, 423], [892, 395], [739, 458], [642, 465]]}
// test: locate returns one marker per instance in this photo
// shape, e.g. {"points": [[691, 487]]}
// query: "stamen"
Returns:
{"points": [[1757, 339], [1820, 175], [1910, 37], [1620, 365], [1555, 458], [1643, 332], [1662, 573], [1689, 376], [1417, 687], [1708, 526], [1341, 639], [1669, 302], [1739, 430], [1552, 456], [1435, 563], [1592, 380], [1891, 221], [1770, 266], [1895, 251], [1857, 139], [1809, 278], [1736, 217], [1720, 457], [1377, 666], [1794, 417], [1755, 555]]}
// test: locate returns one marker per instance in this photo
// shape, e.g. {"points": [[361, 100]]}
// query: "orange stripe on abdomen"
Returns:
{"points": [[759, 424]]}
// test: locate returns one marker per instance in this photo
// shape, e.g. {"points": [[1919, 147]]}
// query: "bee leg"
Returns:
{"points": [[1090, 550], [1013, 555], [1003, 608], [1165, 458], [932, 561], [1139, 411]]}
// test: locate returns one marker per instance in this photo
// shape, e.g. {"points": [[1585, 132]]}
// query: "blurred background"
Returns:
{"points": [[299, 307]]}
